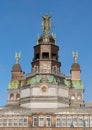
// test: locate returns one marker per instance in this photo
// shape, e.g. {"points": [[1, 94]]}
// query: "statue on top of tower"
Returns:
{"points": [[17, 57], [75, 56], [46, 24]]}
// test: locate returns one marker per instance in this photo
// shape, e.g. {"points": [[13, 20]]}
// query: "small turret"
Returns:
{"points": [[17, 72], [75, 68]]}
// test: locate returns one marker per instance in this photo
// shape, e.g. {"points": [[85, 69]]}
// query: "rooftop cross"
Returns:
{"points": [[17, 57], [75, 56], [46, 24]]}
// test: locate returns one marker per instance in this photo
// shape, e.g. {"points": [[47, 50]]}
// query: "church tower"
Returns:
{"points": [[46, 51]]}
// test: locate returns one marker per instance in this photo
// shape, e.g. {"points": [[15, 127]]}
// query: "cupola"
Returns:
{"points": [[46, 51], [75, 68], [17, 72]]}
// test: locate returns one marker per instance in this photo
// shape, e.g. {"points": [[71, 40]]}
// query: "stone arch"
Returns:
{"points": [[11, 96]]}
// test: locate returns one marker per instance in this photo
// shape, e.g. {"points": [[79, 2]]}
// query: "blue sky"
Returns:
{"points": [[20, 23]]}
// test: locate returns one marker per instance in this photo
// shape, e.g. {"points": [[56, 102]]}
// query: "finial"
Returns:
{"points": [[75, 56], [17, 57], [46, 24]]}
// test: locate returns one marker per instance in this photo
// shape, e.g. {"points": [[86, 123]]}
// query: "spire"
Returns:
{"points": [[75, 56], [17, 57], [46, 24]]}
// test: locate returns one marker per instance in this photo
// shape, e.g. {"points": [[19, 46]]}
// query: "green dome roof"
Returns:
{"points": [[14, 84]]}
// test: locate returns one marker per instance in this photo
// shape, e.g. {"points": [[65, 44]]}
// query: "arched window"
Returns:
{"points": [[80, 121], [48, 121], [11, 96], [86, 121], [35, 121], [17, 96], [75, 121], [63, 121], [69, 121], [58, 121], [41, 121]]}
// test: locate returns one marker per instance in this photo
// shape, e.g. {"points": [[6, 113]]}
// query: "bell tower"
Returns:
{"points": [[46, 51]]}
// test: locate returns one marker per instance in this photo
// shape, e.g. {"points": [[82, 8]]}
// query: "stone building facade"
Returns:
{"points": [[46, 98]]}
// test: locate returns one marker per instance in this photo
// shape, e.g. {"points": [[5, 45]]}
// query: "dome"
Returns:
{"points": [[75, 67], [16, 68]]}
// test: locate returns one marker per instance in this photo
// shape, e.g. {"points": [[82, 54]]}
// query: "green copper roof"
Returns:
{"points": [[34, 80], [39, 78], [51, 79], [13, 84], [67, 83], [77, 84]]}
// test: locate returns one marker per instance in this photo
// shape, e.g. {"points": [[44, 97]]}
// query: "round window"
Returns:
{"points": [[44, 88]]}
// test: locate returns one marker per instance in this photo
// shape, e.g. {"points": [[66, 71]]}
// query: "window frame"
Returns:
{"points": [[58, 124], [35, 124], [40, 122], [47, 122]]}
